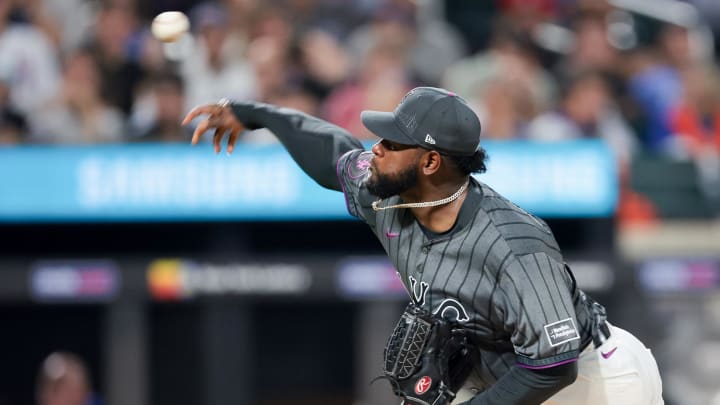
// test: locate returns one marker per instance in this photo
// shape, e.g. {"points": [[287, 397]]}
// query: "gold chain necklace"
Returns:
{"points": [[376, 204]]}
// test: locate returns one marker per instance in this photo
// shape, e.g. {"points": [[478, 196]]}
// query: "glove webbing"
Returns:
{"points": [[406, 345]]}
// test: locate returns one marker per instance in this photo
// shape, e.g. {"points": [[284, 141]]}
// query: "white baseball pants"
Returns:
{"points": [[621, 371]]}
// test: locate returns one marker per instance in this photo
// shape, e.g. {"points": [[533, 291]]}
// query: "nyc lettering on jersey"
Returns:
{"points": [[450, 309]]}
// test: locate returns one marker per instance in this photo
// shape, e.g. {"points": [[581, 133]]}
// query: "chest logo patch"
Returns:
{"points": [[561, 332]]}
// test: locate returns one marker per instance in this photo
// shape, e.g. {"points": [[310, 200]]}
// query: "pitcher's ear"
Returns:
{"points": [[432, 160]]}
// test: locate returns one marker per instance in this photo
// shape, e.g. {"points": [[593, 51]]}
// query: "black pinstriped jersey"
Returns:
{"points": [[499, 271]]}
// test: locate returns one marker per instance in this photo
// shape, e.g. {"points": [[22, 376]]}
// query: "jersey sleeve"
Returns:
{"points": [[352, 171], [534, 296], [314, 144]]}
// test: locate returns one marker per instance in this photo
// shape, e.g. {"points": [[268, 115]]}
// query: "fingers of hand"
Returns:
{"points": [[218, 117], [200, 130], [197, 111], [217, 139], [232, 139]]}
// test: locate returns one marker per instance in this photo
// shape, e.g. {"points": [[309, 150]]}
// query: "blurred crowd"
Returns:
{"points": [[89, 71]]}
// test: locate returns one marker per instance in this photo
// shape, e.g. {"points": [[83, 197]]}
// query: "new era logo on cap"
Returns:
{"points": [[454, 126]]}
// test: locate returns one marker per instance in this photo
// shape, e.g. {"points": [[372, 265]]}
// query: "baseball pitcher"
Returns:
{"points": [[495, 316]]}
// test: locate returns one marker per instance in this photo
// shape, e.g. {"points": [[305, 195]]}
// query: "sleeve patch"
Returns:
{"points": [[561, 331], [358, 167]]}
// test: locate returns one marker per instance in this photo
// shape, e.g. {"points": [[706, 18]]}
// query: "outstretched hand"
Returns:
{"points": [[219, 117]]}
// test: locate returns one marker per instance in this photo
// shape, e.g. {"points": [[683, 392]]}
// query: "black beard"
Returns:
{"points": [[384, 186]]}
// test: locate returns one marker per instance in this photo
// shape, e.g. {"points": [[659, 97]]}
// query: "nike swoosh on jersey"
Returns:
{"points": [[608, 354], [392, 234]]}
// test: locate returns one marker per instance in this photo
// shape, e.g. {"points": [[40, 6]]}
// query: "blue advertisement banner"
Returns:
{"points": [[172, 182]]}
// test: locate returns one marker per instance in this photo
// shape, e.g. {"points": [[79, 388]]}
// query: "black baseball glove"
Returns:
{"points": [[427, 358]]}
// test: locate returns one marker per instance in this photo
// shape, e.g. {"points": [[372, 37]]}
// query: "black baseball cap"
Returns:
{"points": [[429, 117]]}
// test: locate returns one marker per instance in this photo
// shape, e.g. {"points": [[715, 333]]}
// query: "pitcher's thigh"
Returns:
{"points": [[623, 389]]}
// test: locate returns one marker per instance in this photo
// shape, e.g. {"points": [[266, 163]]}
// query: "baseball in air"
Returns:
{"points": [[170, 26]]}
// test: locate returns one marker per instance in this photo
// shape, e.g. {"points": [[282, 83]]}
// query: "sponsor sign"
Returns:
{"points": [[73, 281], [671, 275], [177, 182], [174, 279]]}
